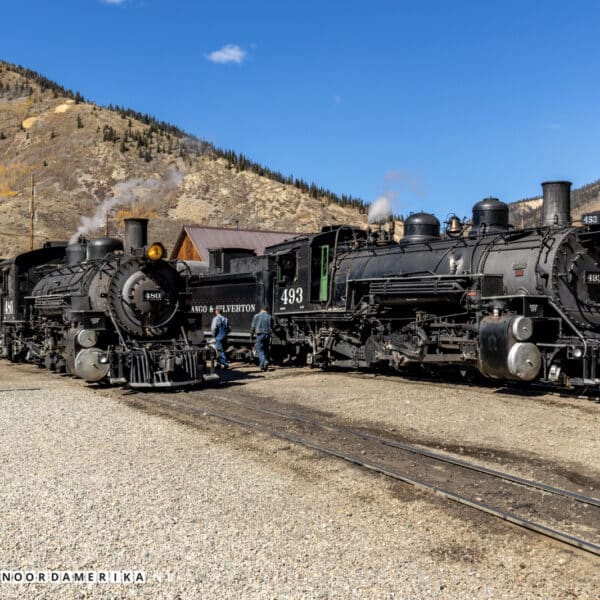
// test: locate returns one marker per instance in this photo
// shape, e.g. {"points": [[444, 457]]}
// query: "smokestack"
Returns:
{"points": [[556, 208], [136, 234]]}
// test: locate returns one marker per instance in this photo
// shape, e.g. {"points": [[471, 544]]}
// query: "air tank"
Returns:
{"points": [[100, 247], [421, 227], [490, 215], [556, 207]]}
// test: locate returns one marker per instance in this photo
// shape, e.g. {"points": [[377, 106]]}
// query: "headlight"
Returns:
{"points": [[155, 251]]}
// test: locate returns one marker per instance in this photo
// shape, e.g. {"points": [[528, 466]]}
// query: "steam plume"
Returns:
{"points": [[380, 210], [148, 191]]}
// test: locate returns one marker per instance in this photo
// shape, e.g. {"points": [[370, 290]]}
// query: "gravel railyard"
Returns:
{"points": [[212, 510]]}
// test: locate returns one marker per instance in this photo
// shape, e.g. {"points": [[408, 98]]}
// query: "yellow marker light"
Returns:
{"points": [[156, 251]]}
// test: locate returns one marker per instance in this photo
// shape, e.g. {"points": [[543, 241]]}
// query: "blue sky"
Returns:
{"points": [[437, 103]]}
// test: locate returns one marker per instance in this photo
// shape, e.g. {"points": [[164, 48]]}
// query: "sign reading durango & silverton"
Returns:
{"points": [[226, 308]]}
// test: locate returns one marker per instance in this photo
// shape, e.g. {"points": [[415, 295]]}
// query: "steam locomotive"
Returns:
{"points": [[103, 312], [513, 304]]}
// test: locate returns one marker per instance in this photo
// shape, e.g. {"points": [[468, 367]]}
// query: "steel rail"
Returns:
{"points": [[421, 485], [428, 453]]}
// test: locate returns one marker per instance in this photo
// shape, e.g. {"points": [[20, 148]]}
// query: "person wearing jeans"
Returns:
{"points": [[262, 326], [220, 328]]}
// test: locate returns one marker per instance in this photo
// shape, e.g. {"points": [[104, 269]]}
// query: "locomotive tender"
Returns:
{"points": [[514, 304], [103, 312]]}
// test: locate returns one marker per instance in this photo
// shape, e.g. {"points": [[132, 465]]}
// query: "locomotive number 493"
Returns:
{"points": [[292, 296]]}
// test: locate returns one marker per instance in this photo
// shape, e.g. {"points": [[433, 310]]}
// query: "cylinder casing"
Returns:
{"points": [[502, 355]]}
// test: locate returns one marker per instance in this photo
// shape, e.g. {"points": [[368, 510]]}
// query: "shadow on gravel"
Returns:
{"points": [[236, 377]]}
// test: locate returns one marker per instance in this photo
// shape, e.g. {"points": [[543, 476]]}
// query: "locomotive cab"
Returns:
{"points": [[17, 277], [305, 268]]}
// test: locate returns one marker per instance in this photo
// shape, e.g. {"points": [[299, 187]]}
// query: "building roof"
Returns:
{"points": [[208, 238]]}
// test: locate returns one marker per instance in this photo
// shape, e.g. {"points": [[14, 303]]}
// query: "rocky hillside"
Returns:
{"points": [[88, 161]]}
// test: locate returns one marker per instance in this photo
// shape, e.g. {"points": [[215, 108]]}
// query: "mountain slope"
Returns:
{"points": [[85, 157]]}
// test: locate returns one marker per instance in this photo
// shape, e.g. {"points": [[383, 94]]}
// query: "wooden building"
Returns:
{"points": [[194, 242]]}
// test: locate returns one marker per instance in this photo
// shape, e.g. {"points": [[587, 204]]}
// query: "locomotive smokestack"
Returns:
{"points": [[136, 234], [556, 208]]}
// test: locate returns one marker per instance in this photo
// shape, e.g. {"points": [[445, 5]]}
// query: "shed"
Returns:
{"points": [[194, 242]]}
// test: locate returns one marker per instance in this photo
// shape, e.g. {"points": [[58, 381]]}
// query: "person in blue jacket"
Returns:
{"points": [[219, 329], [262, 326]]}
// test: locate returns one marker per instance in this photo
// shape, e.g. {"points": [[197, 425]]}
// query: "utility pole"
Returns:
{"points": [[106, 223], [31, 211]]}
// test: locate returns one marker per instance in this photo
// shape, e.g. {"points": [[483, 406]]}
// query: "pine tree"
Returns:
{"points": [[79, 122]]}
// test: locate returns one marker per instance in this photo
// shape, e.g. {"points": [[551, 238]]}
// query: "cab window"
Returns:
{"points": [[287, 268]]}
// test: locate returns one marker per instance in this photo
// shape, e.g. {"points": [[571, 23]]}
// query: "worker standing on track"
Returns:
{"points": [[219, 329], [262, 326]]}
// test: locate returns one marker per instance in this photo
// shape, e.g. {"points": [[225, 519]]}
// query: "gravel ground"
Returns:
{"points": [[560, 433], [214, 511]]}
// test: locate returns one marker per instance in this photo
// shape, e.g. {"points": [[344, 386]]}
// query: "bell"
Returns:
{"points": [[455, 226]]}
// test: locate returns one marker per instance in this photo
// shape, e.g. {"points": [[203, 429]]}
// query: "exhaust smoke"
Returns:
{"points": [[380, 210], [148, 192]]}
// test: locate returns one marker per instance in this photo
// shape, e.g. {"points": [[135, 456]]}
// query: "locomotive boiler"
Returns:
{"points": [[104, 311], [517, 304]]}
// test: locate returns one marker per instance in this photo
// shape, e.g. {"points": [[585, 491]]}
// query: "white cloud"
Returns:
{"points": [[230, 53], [553, 126], [337, 100], [113, 1]]}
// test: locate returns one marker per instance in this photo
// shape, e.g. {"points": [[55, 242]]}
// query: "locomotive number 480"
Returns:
{"points": [[292, 296]]}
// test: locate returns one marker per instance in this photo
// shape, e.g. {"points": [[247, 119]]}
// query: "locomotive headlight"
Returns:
{"points": [[156, 251], [577, 353]]}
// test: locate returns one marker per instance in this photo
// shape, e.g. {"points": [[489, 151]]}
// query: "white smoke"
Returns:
{"points": [[380, 210], [146, 191]]}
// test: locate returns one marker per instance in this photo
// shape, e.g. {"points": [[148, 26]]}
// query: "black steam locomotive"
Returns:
{"points": [[103, 312], [515, 304]]}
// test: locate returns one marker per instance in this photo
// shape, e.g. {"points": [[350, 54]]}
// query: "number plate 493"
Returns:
{"points": [[292, 296]]}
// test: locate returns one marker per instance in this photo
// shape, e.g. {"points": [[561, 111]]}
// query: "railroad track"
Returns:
{"points": [[563, 515]]}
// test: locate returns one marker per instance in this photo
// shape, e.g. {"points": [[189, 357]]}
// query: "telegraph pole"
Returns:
{"points": [[31, 211]]}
